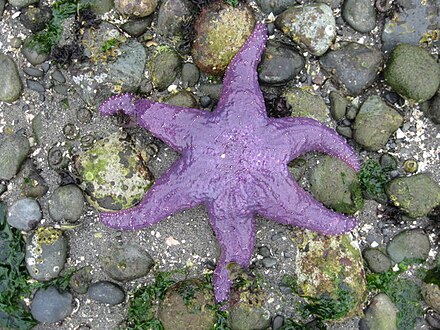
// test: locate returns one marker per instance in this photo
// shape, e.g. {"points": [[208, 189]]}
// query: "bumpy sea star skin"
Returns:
{"points": [[234, 161]]}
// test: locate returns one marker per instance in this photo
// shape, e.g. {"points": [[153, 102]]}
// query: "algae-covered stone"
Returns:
{"points": [[137, 8], [187, 305], [114, 173], [410, 245], [311, 26], [329, 274], [431, 294], [336, 185], [164, 67], [306, 104], [416, 195], [182, 99], [338, 105], [221, 30], [46, 253], [10, 84], [375, 122], [249, 317], [413, 73]]}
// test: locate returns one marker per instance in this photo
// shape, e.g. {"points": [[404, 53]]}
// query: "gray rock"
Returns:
{"points": [[128, 262], [431, 294], [338, 105], [138, 8], [280, 64], [33, 53], [2, 7], [137, 27], [10, 84], [306, 104], [377, 261], [375, 123], [190, 75], [35, 86], [173, 14], [13, 151], [417, 20], [211, 90], [311, 26], [22, 3], [99, 6], [413, 73], [182, 99], [409, 244], [381, 314], [81, 279], [274, 6], [264, 251], [269, 262], [353, 65], [345, 131], [433, 111], [46, 253], [49, 305], [249, 317], [336, 185], [57, 75], [128, 69], [24, 214], [66, 203], [416, 195], [164, 67], [31, 182], [277, 322], [33, 72], [360, 14], [106, 292], [35, 18], [61, 89]]}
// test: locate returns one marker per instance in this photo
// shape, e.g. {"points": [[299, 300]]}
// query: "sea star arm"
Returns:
{"points": [[235, 231], [174, 191], [241, 90], [172, 124], [287, 203], [302, 135]]}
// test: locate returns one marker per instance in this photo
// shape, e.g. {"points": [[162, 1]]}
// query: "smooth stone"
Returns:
{"points": [[106, 292], [173, 15], [61, 89], [205, 101], [137, 27], [416, 195], [336, 185], [413, 73], [46, 253], [264, 251], [279, 64], [22, 3], [34, 55], [136, 8], [249, 317], [33, 72], [24, 214], [388, 162], [306, 104], [345, 131], [311, 26], [99, 6], [35, 18], [433, 111], [49, 305], [277, 322], [355, 66], [409, 244], [274, 6], [375, 123], [10, 84], [377, 261], [360, 14], [128, 262], [13, 151], [338, 105], [381, 314], [269, 262], [66, 203], [211, 90], [190, 75], [57, 75], [351, 112], [164, 67], [182, 99], [431, 294], [35, 86]]}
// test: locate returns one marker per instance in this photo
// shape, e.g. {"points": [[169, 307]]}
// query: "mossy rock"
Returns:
{"points": [[164, 67], [114, 173], [336, 185], [188, 305], [306, 104], [416, 195], [221, 30], [413, 73], [329, 275]]}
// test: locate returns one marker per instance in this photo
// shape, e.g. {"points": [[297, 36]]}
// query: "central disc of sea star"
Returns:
{"points": [[233, 161]]}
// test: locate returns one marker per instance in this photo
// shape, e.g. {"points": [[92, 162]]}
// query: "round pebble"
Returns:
{"points": [[66, 203], [410, 245], [106, 292], [269, 262], [264, 251], [49, 305], [24, 214]]}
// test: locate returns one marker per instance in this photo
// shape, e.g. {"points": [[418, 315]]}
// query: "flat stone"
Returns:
{"points": [[377, 261], [35, 86], [106, 292], [24, 214], [49, 305], [57, 75], [355, 66], [33, 72], [10, 84], [13, 151], [360, 14], [311, 26], [410, 245]]}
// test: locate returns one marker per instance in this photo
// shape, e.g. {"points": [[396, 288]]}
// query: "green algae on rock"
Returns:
{"points": [[329, 275], [114, 174], [306, 104], [416, 195], [221, 30], [164, 66]]}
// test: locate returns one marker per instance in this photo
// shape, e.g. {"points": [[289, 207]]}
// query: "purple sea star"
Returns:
{"points": [[234, 161]]}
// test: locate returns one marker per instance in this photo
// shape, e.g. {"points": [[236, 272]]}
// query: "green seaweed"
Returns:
{"points": [[373, 179], [233, 3], [432, 276]]}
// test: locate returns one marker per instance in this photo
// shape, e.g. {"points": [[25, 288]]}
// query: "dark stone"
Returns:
{"points": [[377, 261], [106, 292], [49, 305], [137, 27], [360, 14], [35, 18]]}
